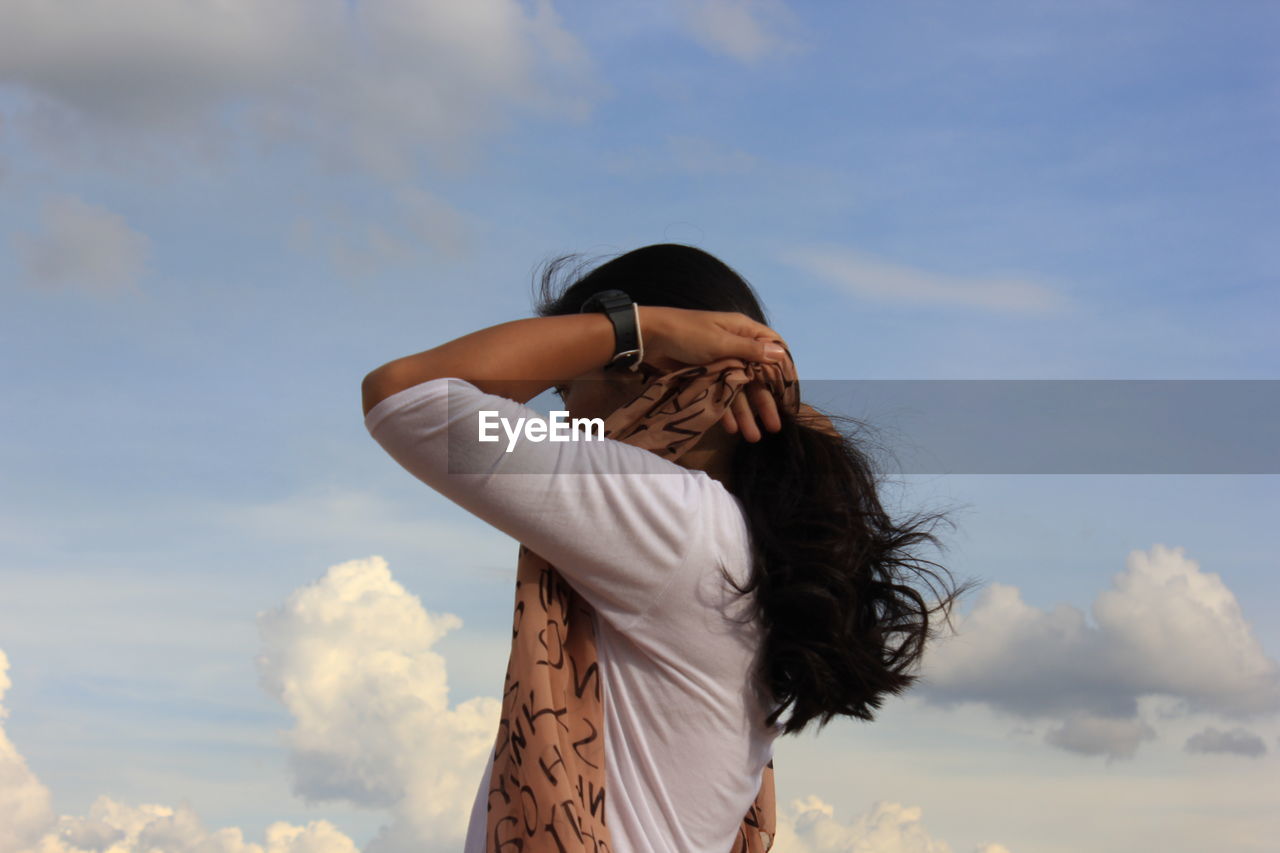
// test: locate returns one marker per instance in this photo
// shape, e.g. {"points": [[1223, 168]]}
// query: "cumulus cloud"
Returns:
{"points": [[1164, 628], [874, 278], [747, 30], [1180, 631], [810, 825], [81, 246], [1236, 741], [374, 84], [350, 657], [119, 828]]}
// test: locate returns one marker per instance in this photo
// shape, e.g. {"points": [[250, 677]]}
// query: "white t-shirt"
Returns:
{"points": [[641, 539]]}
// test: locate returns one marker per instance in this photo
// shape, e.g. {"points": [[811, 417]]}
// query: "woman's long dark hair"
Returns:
{"points": [[842, 626]]}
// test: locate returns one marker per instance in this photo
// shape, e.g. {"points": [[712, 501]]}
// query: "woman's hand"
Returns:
{"points": [[679, 337]]}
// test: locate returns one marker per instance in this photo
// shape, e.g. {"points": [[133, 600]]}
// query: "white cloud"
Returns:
{"points": [[874, 278], [375, 84], [811, 826], [81, 246], [113, 827], [1237, 741], [1164, 628], [350, 657], [747, 30], [1180, 631]]}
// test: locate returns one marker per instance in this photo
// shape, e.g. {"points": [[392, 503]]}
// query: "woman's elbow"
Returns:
{"points": [[376, 387]]}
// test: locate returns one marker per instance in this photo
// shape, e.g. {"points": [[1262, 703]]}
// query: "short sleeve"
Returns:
{"points": [[616, 520]]}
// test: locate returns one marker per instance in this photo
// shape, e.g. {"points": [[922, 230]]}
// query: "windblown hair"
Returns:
{"points": [[842, 626]]}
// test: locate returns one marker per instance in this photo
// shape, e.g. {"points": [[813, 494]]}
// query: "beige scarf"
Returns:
{"points": [[547, 791]]}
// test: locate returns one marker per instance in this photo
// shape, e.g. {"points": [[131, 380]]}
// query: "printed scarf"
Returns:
{"points": [[548, 789]]}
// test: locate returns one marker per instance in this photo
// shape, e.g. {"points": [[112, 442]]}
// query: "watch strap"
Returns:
{"points": [[628, 348]]}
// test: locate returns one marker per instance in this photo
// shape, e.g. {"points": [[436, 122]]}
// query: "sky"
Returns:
{"points": [[229, 622]]}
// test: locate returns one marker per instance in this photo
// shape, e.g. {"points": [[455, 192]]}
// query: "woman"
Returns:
{"points": [[758, 574]]}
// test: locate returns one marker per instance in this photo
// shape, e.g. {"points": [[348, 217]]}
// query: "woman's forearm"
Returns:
{"points": [[519, 359], [522, 358]]}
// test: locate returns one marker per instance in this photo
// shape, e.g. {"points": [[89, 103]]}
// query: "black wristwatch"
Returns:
{"points": [[628, 348]]}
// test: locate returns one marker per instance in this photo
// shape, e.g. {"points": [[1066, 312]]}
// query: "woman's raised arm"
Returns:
{"points": [[522, 358]]}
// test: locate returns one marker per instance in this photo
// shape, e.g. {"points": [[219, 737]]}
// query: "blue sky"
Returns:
{"points": [[215, 221]]}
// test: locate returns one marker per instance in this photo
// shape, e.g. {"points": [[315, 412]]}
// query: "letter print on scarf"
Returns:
{"points": [[547, 791]]}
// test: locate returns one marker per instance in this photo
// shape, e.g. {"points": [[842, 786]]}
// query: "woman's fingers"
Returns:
{"points": [[748, 343], [765, 407], [746, 420], [765, 345], [729, 421], [752, 407], [756, 348]]}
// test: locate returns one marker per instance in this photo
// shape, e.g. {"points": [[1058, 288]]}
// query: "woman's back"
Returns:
{"points": [[681, 697], [684, 734]]}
